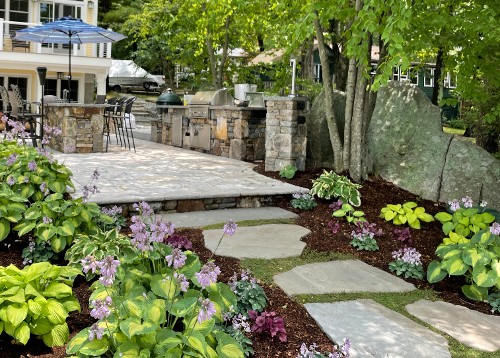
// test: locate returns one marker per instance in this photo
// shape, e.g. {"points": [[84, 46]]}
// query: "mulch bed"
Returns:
{"points": [[301, 328]]}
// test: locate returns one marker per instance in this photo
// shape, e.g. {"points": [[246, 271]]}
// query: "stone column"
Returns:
{"points": [[285, 133]]}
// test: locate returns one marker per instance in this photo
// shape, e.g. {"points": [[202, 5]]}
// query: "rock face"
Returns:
{"points": [[319, 148], [407, 147]]}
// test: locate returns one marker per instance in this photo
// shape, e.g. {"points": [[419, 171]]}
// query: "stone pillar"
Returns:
{"points": [[285, 133]]}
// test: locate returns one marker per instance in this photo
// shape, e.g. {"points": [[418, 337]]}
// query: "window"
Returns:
{"points": [[21, 82], [395, 73], [14, 10], [413, 76], [429, 77], [450, 81]]}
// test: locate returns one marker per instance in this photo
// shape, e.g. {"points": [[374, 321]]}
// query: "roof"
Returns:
{"points": [[268, 56]]}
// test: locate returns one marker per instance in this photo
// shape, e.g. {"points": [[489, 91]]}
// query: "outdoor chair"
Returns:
{"points": [[122, 123]]}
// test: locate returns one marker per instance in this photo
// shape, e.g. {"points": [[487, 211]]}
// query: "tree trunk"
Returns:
{"points": [[225, 46], [437, 76], [213, 62], [306, 54], [349, 103], [357, 134], [328, 88]]}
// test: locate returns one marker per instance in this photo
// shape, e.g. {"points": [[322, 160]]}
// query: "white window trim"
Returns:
{"points": [[430, 79]]}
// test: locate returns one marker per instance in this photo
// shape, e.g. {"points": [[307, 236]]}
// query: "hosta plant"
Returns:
{"points": [[288, 171], [406, 262], [465, 221], [36, 301], [303, 201], [162, 302], [331, 185], [58, 221], [478, 259], [352, 216], [408, 213], [32, 173], [12, 208], [99, 245], [363, 237]]}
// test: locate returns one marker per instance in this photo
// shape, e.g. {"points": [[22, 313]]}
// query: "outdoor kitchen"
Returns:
{"points": [[242, 128]]}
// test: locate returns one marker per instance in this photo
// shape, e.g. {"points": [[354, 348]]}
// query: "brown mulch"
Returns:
{"points": [[375, 194]]}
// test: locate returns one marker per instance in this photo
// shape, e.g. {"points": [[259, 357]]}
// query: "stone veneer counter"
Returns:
{"points": [[81, 125]]}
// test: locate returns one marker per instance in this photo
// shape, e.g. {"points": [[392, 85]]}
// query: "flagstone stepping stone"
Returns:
{"points": [[259, 242], [376, 331], [339, 276], [472, 328], [209, 217]]}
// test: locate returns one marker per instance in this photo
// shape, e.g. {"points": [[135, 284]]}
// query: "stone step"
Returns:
{"points": [[474, 329], [338, 277], [376, 331]]}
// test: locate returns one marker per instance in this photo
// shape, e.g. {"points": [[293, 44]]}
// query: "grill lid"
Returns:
{"points": [[212, 98]]}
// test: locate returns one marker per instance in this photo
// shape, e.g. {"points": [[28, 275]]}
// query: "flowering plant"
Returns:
{"points": [[407, 263], [363, 236], [403, 236], [250, 295], [341, 351], [465, 218], [303, 201], [161, 302]]}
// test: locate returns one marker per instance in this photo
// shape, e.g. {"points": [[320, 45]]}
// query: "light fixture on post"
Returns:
{"points": [[60, 75], [42, 75], [90, 5]]}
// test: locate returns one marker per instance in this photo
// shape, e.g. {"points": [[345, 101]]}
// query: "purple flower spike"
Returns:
{"points": [[208, 274], [95, 332], [207, 310], [230, 228], [32, 166], [101, 308], [495, 229], [177, 258]]}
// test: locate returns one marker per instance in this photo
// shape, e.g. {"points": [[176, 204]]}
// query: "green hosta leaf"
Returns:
{"points": [[58, 243], [484, 238], [355, 200], [414, 224], [4, 228], [410, 205], [451, 253], [163, 287], [57, 186], [15, 295], [339, 213], [228, 347], [402, 219], [147, 340], [358, 213], [495, 267], [167, 339], [133, 307], [156, 311], [128, 350], [483, 277], [77, 341], [41, 326], [24, 227], [95, 348], [389, 215], [71, 304], [55, 312], [45, 233], [66, 229], [57, 337], [16, 313], [197, 342], [448, 227], [425, 217], [57, 290], [475, 292], [443, 217], [22, 333], [34, 308], [395, 208], [132, 326], [204, 328], [455, 266], [183, 306]]}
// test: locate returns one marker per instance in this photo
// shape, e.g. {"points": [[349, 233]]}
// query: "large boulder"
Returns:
{"points": [[407, 147], [319, 148]]}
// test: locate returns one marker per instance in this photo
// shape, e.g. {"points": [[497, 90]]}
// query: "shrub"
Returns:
{"points": [[331, 185], [477, 259], [37, 300], [288, 171], [407, 263], [268, 322], [408, 213], [303, 201]]}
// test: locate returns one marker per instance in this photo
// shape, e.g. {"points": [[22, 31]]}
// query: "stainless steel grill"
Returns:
{"points": [[198, 108]]}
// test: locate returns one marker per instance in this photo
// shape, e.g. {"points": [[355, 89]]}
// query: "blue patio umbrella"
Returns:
{"points": [[68, 30]]}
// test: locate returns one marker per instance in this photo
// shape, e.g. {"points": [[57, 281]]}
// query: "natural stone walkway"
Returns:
{"points": [[373, 329]]}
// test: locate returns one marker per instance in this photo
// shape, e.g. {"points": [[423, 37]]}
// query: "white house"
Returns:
{"points": [[90, 63]]}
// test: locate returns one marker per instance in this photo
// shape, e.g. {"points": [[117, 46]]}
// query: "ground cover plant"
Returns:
{"points": [[323, 243]]}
